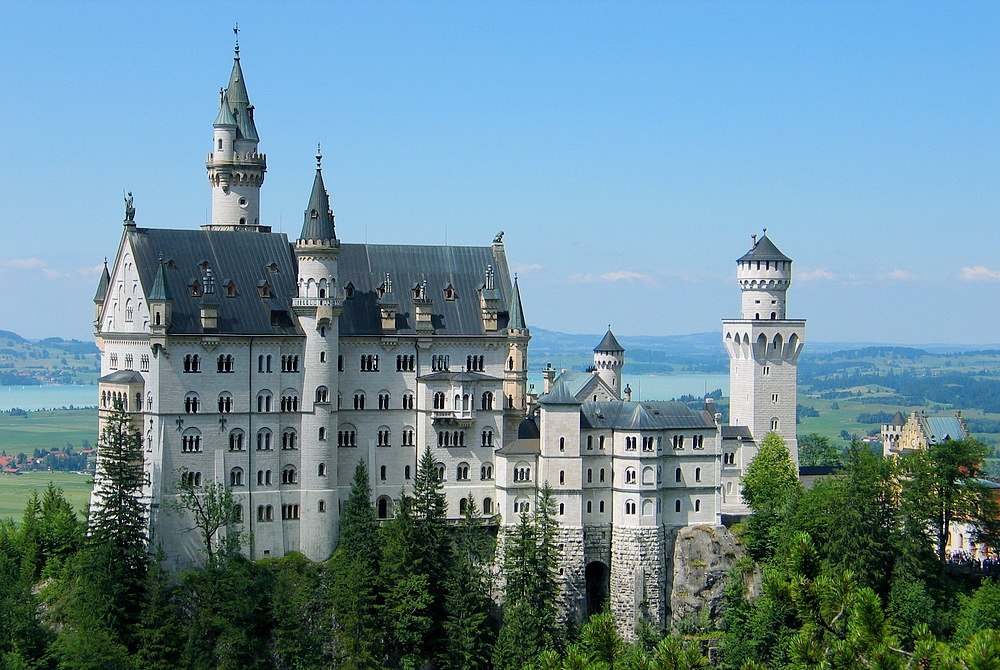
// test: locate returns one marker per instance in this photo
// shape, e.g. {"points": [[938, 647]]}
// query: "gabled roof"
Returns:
{"points": [[237, 255], [763, 250], [515, 310], [609, 344], [559, 395], [735, 433], [318, 223], [660, 415], [121, 377], [364, 266], [102, 285], [938, 429]]}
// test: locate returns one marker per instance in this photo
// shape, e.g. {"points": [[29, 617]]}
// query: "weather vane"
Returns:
{"points": [[236, 31]]}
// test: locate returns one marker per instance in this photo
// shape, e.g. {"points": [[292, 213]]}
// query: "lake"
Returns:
{"points": [[644, 387], [47, 396], [664, 386]]}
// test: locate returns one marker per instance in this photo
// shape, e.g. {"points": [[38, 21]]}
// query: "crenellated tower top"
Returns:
{"points": [[764, 275], [235, 167]]}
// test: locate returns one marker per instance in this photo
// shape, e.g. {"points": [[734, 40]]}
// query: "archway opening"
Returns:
{"points": [[598, 578]]}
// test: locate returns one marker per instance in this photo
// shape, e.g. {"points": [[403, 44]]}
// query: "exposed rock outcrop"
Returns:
{"points": [[703, 557]]}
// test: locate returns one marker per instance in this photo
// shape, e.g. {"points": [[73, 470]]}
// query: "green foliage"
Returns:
{"points": [[817, 450], [980, 611], [212, 510], [771, 487], [300, 609]]}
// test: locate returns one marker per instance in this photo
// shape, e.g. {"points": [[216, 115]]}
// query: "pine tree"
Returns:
{"points": [[159, 638], [354, 571], [467, 603], [431, 543]]}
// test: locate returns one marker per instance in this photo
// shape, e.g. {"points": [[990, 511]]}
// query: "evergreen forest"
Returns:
{"points": [[850, 574]]}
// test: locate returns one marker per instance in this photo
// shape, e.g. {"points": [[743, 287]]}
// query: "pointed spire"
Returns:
{"points": [[160, 291], [239, 100], [225, 117], [609, 345], [319, 220], [516, 312], [102, 285]]}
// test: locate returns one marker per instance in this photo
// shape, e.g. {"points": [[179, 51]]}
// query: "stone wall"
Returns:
{"points": [[703, 557], [638, 577]]}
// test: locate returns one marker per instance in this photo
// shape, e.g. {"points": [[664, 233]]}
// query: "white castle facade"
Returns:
{"points": [[273, 366]]}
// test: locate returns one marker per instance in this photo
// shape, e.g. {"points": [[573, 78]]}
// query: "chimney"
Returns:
{"points": [[548, 376]]}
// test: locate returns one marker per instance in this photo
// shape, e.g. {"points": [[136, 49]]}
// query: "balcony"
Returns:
{"points": [[448, 417]]}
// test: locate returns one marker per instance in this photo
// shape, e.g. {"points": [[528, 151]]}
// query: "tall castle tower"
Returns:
{"points": [[235, 169], [764, 346], [317, 306], [609, 357]]}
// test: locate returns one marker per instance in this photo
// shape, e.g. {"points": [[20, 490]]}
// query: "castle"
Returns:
{"points": [[273, 366]]}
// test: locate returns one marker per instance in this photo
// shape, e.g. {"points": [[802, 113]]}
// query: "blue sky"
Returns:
{"points": [[628, 150]]}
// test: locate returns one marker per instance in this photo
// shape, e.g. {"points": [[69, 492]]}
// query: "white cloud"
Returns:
{"points": [[898, 275], [615, 276], [91, 270], [819, 274], [21, 263], [527, 268], [979, 273]]}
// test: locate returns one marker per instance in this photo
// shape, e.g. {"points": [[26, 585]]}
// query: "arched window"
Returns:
{"points": [[384, 507], [236, 440], [677, 475], [602, 475], [236, 477], [264, 440], [439, 400], [590, 506], [774, 423], [562, 444], [191, 403], [288, 475], [321, 470], [697, 474], [322, 433], [463, 505], [440, 471], [697, 505], [677, 506], [382, 473], [486, 472], [264, 401], [630, 475], [487, 505], [289, 439], [487, 437], [462, 472], [225, 402], [359, 400], [600, 507], [487, 400], [647, 476], [191, 441], [630, 507], [322, 394], [406, 472]]}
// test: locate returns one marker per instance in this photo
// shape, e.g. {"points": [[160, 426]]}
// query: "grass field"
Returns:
{"points": [[16, 489], [44, 430]]}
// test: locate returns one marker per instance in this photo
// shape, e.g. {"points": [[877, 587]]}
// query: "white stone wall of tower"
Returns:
{"points": [[609, 368], [763, 285]]}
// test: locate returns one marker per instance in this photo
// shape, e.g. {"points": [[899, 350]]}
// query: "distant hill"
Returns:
{"points": [[51, 360]]}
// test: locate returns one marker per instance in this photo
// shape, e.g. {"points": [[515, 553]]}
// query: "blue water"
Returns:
{"points": [[664, 386], [47, 396], [644, 387]]}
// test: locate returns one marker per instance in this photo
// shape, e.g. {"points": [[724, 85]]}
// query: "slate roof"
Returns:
{"points": [[560, 394], [898, 419], [318, 223], [660, 415], [364, 266], [121, 377], [609, 344], [735, 432], [239, 102], [941, 428], [102, 285], [763, 250], [515, 309], [238, 256], [576, 381], [225, 116]]}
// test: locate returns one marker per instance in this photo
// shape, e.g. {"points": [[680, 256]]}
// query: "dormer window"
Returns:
{"points": [[349, 290], [195, 287], [264, 289], [229, 288], [272, 267], [314, 214], [450, 293], [170, 263], [203, 266]]}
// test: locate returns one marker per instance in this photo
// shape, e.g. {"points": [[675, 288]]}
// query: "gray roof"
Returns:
{"points": [[239, 102], [735, 432], [559, 395], [577, 381], [763, 250], [242, 257], [609, 344], [102, 285], [318, 220], [660, 415], [225, 116], [898, 419], [941, 428], [121, 377], [530, 447], [364, 266], [159, 290], [515, 309]]}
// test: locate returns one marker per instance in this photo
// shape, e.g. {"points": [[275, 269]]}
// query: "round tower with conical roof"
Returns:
{"points": [[609, 358], [318, 306], [764, 275], [235, 167]]}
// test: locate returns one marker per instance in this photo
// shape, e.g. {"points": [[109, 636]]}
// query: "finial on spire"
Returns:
{"points": [[319, 157], [236, 31]]}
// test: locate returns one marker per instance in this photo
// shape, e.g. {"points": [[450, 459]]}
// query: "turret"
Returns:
{"points": [[102, 293], [764, 275], [235, 168], [160, 308], [515, 383], [609, 358], [489, 302], [209, 304]]}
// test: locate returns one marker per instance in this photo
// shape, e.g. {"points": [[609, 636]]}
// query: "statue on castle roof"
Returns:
{"points": [[129, 209]]}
